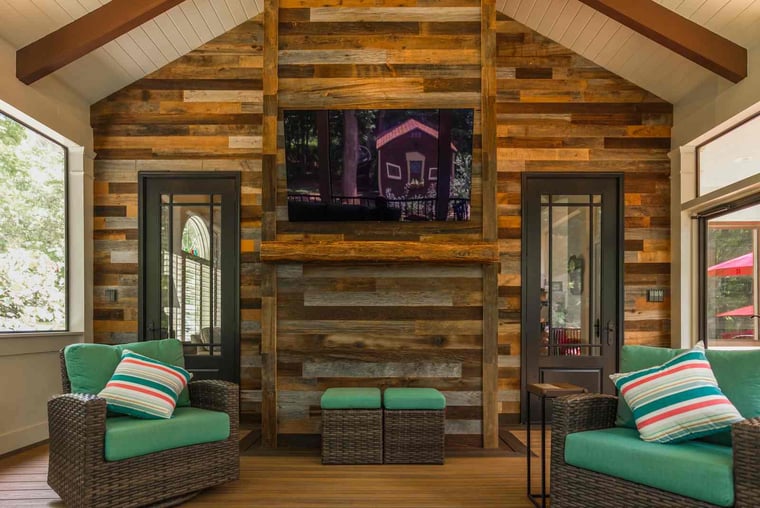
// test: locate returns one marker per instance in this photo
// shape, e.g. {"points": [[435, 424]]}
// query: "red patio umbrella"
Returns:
{"points": [[741, 265], [749, 310]]}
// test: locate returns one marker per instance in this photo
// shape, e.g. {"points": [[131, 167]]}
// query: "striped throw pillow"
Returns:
{"points": [[678, 400], [143, 387]]}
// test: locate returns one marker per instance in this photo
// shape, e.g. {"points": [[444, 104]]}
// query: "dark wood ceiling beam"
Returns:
{"points": [[688, 39], [84, 35]]}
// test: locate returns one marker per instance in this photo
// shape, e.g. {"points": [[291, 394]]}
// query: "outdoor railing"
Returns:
{"points": [[411, 208]]}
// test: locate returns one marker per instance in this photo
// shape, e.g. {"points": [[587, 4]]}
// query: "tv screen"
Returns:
{"points": [[379, 164]]}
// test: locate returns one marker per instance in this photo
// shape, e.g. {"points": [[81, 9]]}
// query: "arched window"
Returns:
{"points": [[195, 238]]}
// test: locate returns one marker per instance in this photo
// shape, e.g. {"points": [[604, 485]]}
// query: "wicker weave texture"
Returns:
{"points": [[79, 473], [573, 487], [352, 436], [414, 436]]}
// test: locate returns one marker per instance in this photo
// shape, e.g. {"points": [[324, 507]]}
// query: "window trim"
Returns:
{"points": [[66, 233], [700, 146], [702, 218], [388, 166]]}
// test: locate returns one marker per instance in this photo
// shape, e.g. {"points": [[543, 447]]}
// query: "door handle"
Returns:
{"points": [[610, 329]]}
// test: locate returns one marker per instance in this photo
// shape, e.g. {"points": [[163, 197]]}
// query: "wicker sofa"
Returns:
{"points": [[79, 472], [574, 487]]}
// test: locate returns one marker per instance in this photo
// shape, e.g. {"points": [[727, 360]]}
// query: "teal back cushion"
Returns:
{"points": [[90, 366], [737, 372]]}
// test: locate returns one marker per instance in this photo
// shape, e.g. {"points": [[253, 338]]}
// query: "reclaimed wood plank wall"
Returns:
{"points": [[202, 112], [558, 112], [344, 324], [410, 325]]}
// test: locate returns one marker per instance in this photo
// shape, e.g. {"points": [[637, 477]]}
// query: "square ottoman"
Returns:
{"points": [[352, 426], [415, 420]]}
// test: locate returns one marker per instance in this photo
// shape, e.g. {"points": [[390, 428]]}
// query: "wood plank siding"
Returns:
{"points": [[349, 323]]}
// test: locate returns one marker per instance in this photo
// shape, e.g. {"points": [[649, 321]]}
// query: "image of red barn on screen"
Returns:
{"points": [[408, 160]]}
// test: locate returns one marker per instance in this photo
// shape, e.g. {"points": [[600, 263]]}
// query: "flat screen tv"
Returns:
{"points": [[379, 164]]}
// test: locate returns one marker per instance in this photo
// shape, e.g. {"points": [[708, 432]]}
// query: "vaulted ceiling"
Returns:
{"points": [[133, 55], [192, 23]]}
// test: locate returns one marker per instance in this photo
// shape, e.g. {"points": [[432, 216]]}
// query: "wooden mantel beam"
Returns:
{"points": [[688, 39], [84, 35]]}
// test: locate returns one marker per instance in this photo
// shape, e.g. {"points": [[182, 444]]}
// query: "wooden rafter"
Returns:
{"points": [[688, 39], [84, 35]]}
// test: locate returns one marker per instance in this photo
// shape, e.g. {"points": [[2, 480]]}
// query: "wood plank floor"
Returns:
{"points": [[297, 479]]}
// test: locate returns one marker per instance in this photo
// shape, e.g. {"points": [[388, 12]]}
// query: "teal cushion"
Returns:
{"points": [[633, 358], [738, 375], [351, 398], [130, 437], [693, 469], [413, 398], [90, 366]]}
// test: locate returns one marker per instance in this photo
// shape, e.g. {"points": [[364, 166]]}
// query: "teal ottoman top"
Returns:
{"points": [[351, 398], [414, 398]]}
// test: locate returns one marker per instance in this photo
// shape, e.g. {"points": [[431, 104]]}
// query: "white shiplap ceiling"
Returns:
{"points": [[569, 22], [629, 54], [133, 55]]}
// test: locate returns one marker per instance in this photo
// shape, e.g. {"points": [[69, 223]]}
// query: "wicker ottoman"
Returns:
{"points": [[413, 432], [352, 426]]}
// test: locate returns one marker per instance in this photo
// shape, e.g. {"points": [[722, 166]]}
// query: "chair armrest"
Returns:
{"points": [[577, 413], [77, 426], [746, 443], [217, 395]]}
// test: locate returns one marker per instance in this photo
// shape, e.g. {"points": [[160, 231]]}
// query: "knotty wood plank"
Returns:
{"points": [[269, 419], [378, 252]]}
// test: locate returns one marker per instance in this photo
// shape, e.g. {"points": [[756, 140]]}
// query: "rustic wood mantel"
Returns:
{"points": [[379, 252]]}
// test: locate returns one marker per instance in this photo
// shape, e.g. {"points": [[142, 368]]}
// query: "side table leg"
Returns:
{"points": [[527, 453], [543, 452]]}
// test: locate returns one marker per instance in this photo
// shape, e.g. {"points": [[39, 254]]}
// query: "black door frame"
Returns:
{"points": [[620, 332], [143, 177]]}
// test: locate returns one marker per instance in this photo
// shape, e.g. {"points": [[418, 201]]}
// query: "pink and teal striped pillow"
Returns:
{"points": [[677, 400], [143, 387]]}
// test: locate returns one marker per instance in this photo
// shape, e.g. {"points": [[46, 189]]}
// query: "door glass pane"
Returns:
{"points": [[732, 285], [570, 275], [191, 249]]}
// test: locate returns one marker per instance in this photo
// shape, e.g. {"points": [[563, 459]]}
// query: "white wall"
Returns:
{"points": [[711, 109], [29, 372]]}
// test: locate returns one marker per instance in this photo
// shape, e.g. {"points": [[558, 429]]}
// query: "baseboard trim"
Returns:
{"points": [[17, 439]]}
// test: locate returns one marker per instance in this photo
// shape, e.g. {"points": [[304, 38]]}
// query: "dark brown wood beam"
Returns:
{"points": [[688, 39], [84, 35]]}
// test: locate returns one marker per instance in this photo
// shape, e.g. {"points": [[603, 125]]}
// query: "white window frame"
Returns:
{"points": [[414, 157], [396, 167], [432, 176], [686, 205]]}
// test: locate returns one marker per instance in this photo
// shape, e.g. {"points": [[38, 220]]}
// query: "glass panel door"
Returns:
{"points": [[570, 275], [189, 269]]}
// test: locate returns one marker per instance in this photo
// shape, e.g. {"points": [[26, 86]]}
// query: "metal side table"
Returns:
{"points": [[544, 391]]}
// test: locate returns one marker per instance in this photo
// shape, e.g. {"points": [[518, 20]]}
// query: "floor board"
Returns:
{"points": [[296, 479]]}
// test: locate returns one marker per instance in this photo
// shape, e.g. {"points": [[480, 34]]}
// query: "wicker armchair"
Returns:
{"points": [[79, 473], [573, 487]]}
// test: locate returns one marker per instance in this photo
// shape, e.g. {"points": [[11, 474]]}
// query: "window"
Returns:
{"points": [[33, 292], [433, 174], [415, 164], [394, 171], [729, 158], [730, 282]]}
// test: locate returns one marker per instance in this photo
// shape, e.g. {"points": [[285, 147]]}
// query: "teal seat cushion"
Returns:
{"points": [[90, 366], [351, 398], [413, 398], [694, 469], [131, 437]]}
